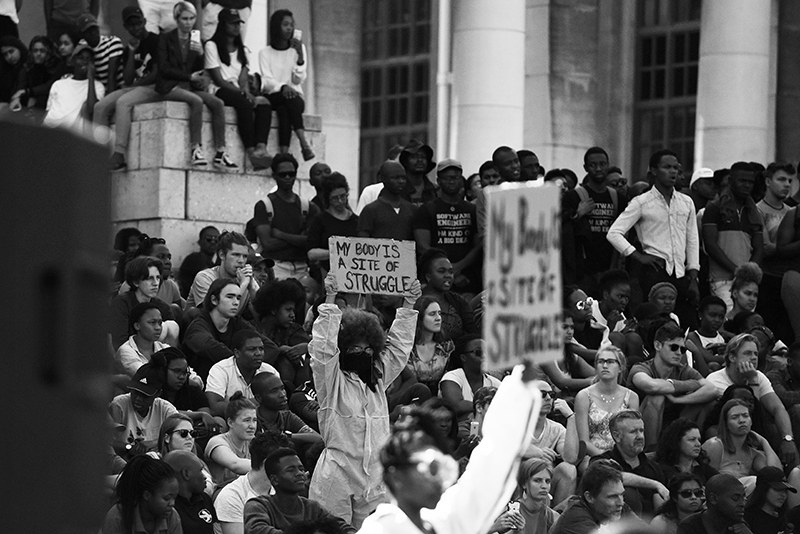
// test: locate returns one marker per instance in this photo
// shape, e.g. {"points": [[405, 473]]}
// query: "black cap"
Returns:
{"points": [[131, 11], [148, 380], [229, 15]]}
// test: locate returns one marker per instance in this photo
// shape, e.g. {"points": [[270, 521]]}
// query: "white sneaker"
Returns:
{"points": [[222, 160], [198, 158]]}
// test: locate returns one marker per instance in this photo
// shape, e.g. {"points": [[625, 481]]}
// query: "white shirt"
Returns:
{"points": [[230, 73], [131, 358], [668, 231], [229, 503], [67, 97], [279, 68], [9, 9], [761, 385], [224, 378]]}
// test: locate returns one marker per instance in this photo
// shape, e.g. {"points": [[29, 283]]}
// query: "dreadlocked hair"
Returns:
{"points": [[143, 473]]}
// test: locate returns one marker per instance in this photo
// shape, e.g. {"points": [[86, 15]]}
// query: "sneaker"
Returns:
{"points": [[117, 162], [198, 158], [222, 160]]}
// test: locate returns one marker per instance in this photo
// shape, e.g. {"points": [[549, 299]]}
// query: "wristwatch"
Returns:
{"points": [[788, 437]]}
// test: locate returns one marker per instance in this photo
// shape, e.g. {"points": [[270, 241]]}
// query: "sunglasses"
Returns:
{"points": [[583, 305], [686, 494], [436, 465], [551, 394], [674, 347], [287, 174], [359, 351], [184, 433]]}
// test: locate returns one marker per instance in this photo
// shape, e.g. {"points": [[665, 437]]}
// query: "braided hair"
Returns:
{"points": [[142, 473]]}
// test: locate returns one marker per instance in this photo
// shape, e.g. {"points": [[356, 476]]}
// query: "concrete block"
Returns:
{"points": [[219, 197], [148, 194]]}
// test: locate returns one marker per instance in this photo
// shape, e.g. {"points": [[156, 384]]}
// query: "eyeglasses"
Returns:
{"points": [[608, 362], [286, 174], [359, 351], [179, 372], [686, 494], [184, 433], [339, 198], [551, 394], [583, 305], [674, 347]]}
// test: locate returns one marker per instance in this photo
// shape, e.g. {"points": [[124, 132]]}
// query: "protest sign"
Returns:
{"points": [[522, 275], [378, 266]]}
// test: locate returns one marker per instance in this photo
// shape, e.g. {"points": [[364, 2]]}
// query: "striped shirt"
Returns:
{"points": [[108, 47]]}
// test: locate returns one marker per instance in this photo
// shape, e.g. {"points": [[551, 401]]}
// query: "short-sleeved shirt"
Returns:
{"points": [[593, 250], [682, 373], [140, 428], [145, 57], [225, 379], [325, 225], [230, 73], [453, 227], [221, 474], [197, 513], [458, 376], [287, 217], [380, 219], [735, 237], [202, 281], [760, 385], [772, 220], [552, 436], [109, 47], [230, 500]]}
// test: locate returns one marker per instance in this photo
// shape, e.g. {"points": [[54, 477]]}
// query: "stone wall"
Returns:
{"points": [[164, 196]]}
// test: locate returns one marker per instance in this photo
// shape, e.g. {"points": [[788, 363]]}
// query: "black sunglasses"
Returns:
{"points": [[699, 493], [551, 394], [674, 347], [184, 433]]}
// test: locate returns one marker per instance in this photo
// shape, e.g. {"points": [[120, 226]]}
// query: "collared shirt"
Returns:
{"points": [[225, 378], [666, 230]]}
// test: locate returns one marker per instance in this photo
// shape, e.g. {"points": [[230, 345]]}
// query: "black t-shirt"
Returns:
{"points": [[325, 225], [767, 524], [145, 57], [453, 227], [592, 248], [197, 514], [287, 217]]}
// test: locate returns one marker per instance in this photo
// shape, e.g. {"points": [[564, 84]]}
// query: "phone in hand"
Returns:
{"points": [[474, 428], [297, 35]]}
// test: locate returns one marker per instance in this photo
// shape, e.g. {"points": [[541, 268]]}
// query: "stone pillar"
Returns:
{"points": [[488, 78], [733, 83], [787, 114], [255, 37], [337, 59]]}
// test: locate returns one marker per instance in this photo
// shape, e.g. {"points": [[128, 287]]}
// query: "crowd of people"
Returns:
{"points": [[673, 408], [75, 77], [254, 395]]}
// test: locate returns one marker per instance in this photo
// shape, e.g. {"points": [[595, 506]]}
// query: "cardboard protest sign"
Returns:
{"points": [[378, 266], [522, 275]]}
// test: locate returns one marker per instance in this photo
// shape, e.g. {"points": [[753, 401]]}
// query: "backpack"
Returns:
{"points": [[583, 194], [250, 227]]}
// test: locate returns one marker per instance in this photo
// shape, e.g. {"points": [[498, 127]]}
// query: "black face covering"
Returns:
{"points": [[364, 366]]}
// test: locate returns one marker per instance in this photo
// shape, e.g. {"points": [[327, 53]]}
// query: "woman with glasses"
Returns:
{"points": [[436, 272], [337, 219], [177, 433], [679, 450], [595, 405], [428, 496], [686, 497], [353, 362]]}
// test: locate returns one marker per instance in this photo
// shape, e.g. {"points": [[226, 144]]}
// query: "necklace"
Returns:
{"points": [[607, 399], [773, 207]]}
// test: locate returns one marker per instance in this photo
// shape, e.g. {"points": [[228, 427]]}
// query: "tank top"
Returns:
{"points": [[599, 432]]}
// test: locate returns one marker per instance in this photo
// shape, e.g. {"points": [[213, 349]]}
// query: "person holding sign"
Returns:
{"points": [[353, 363]]}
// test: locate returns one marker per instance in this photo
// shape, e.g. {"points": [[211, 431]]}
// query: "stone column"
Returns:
{"points": [[733, 83], [787, 114], [488, 78]]}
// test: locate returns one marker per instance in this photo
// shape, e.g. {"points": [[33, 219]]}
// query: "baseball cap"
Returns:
{"points": [[132, 11], [257, 259], [147, 380], [699, 174], [774, 478], [229, 15], [80, 47], [447, 163], [86, 21]]}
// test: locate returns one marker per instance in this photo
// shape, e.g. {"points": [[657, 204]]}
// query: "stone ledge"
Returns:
{"points": [[180, 110]]}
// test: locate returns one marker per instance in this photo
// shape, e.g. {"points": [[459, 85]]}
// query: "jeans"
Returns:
{"points": [[120, 104], [290, 115], [196, 99], [253, 124]]}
